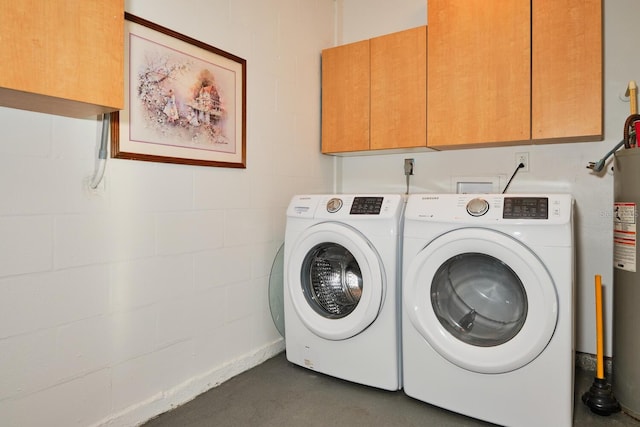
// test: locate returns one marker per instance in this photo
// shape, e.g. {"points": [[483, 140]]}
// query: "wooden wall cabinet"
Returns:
{"points": [[374, 94], [399, 90], [567, 71], [345, 98], [62, 57], [506, 73], [479, 80]]}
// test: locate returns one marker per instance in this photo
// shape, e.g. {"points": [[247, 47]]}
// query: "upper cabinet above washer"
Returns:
{"points": [[374, 94], [62, 57], [399, 90], [345, 98], [516, 72]]}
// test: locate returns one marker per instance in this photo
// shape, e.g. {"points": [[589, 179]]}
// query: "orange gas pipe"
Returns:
{"points": [[599, 340], [632, 93]]}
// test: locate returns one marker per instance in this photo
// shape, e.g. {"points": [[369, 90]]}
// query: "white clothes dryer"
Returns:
{"points": [[488, 285], [341, 286]]}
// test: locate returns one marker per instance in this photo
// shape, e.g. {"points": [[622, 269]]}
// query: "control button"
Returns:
{"points": [[334, 205], [477, 207]]}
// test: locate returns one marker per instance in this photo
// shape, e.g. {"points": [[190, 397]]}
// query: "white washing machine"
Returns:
{"points": [[341, 286], [488, 306]]}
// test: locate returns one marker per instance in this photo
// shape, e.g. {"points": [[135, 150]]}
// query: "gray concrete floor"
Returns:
{"points": [[280, 394]]}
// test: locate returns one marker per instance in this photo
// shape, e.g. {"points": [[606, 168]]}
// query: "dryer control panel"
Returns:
{"points": [[513, 207], [491, 208], [526, 207]]}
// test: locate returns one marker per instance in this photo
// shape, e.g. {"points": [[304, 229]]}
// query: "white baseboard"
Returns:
{"points": [[143, 411]]}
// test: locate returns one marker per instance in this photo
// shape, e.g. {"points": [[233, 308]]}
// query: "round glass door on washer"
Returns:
{"points": [[341, 286], [331, 280], [335, 281], [488, 306]]}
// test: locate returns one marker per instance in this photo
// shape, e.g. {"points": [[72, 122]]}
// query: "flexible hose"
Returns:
{"points": [[102, 154]]}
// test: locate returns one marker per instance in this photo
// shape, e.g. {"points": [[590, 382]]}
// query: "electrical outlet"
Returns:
{"points": [[408, 166], [524, 159]]}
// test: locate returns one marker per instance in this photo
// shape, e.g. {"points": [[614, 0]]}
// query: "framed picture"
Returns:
{"points": [[185, 101]]}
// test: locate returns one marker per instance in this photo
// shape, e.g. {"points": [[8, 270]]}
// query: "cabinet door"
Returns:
{"points": [[345, 98], [567, 70], [478, 78], [398, 90], [62, 57]]}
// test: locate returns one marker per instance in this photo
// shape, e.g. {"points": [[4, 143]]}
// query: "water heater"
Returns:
{"points": [[626, 284]]}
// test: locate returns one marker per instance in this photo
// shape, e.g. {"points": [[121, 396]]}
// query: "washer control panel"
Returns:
{"points": [[344, 206], [526, 207], [366, 205]]}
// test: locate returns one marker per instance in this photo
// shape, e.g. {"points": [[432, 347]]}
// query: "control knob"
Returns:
{"points": [[334, 205], [477, 207]]}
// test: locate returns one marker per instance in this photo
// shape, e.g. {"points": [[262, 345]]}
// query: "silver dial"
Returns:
{"points": [[334, 205], [477, 207]]}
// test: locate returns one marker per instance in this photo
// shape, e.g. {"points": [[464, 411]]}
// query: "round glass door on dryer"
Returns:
{"points": [[335, 280], [481, 299]]}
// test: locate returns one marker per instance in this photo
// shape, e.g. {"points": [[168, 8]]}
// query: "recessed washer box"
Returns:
{"points": [[477, 184]]}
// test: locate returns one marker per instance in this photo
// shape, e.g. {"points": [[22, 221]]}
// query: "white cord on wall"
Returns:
{"points": [[102, 154]]}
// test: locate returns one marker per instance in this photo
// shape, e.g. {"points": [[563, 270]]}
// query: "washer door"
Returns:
{"points": [[481, 299], [335, 280]]}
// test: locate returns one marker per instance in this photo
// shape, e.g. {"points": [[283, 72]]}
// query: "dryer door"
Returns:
{"points": [[335, 280], [481, 299]]}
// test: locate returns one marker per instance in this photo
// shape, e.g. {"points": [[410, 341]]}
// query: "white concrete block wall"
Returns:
{"points": [[117, 304]]}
